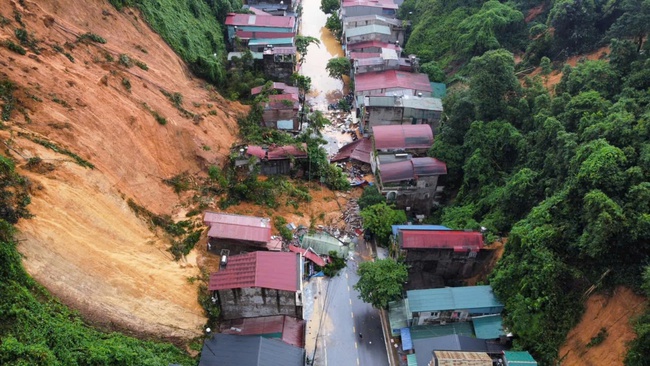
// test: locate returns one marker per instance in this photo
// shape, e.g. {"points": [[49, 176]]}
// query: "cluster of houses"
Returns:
{"points": [[441, 325], [259, 289]]}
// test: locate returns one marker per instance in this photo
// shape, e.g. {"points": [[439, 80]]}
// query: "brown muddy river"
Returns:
{"points": [[324, 89]]}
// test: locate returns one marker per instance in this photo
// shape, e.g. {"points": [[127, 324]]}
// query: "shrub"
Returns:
{"points": [[91, 37]]}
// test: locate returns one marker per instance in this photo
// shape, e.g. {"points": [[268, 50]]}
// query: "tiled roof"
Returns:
{"points": [[289, 329], [278, 152], [452, 298], [388, 79], [403, 136], [260, 20], [274, 270], [459, 241], [230, 226], [357, 150]]}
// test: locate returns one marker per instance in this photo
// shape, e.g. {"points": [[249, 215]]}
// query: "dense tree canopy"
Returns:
{"points": [[379, 218], [381, 281]]}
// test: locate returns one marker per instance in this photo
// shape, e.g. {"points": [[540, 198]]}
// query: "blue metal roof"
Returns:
{"points": [[407, 343], [454, 298], [397, 228], [488, 327]]}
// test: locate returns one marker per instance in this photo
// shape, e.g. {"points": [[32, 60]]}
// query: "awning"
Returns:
{"points": [[407, 343]]}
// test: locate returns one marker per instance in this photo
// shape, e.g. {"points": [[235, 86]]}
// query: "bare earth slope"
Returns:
{"points": [[84, 244]]}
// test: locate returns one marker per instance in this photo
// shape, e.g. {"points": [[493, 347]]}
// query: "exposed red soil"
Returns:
{"points": [[612, 313], [84, 244]]}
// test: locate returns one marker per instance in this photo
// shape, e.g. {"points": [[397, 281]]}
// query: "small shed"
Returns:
{"points": [[236, 232], [518, 358], [452, 304]]}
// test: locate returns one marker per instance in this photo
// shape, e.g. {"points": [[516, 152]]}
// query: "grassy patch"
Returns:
{"points": [[7, 88], [54, 147], [141, 65], [126, 83], [91, 37], [11, 46], [177, 101]]}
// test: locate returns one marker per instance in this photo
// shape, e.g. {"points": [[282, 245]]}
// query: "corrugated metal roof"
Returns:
{"points": [[227, 349], [426, 167], [368, 29], [270, 21], [402, 136], [384, 4], [274, 270], [396, 172], [358, 150], [243, 34], [452, 298], [280, 51], [430, 331], [307, 253], [255, 10], [363, 55], [286, 89], [405, 335], [397, 228], [411, 360], [404, 101], [458, 240], [376, 44], [230, 226], [488, 326], [388, 79], [519, 358], [272, 41], [363, 18], [278, 152], [289, 329], [323, 243], [455, 342], [449, 358]]}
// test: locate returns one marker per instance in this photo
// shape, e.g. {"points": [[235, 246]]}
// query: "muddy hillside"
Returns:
{"points": [[103, 111]]}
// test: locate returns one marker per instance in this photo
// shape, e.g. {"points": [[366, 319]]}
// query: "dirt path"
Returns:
{"points": [[612, 313]]}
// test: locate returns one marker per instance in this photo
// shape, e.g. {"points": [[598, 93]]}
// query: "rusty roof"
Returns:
{"points": [[459, 241], [381, 80], [309, 254], [454, 358], [278, 152], [358, 150], [231, 226], [284, 88], [411, 169], [289, 329], [397, 137], [274, 270], [254, 20]]}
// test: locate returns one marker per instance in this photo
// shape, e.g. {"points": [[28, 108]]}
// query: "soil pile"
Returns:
{"points": [[130, 108]]}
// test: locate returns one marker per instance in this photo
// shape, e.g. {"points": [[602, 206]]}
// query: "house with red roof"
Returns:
{"points": [[403, 173], [286, 328], [281, 112], [436, 255], [259, 284], [236, 233]]}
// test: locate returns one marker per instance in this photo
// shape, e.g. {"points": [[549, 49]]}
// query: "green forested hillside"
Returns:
{"points": [[563, 173]]}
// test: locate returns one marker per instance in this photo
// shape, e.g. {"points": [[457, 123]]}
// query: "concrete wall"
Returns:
{"points": [[254, 302], [279, 67], [440, 267]]}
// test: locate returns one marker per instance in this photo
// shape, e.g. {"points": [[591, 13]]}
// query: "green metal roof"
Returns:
{"points": [[273, 41], [368, 29], [452, 298], [430, 331], [439, 90], [488, 327], [323, 243], [519, 358], [411, 360]]}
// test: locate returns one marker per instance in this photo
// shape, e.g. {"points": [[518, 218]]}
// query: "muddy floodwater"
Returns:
{"points": [[324, 89]]}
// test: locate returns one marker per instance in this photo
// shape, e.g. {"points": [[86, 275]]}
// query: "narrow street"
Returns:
{"points": [[338, 315]]}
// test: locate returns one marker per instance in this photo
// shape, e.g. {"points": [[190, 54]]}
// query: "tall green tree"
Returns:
{"points": [[381, 281], [379, 218], [634, 23], [329, 6], [302, 43], [494, 26], [493, 85], [338, 67]]}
